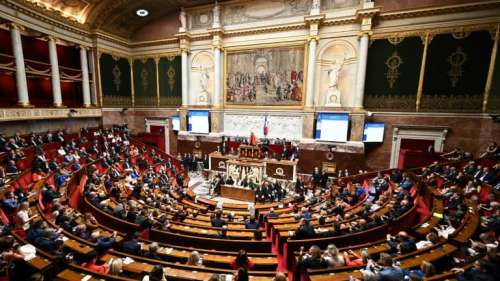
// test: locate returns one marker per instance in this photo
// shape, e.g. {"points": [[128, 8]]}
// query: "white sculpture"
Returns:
{"points": [[315, 7], [182, 18], [204, 78], [333, 92], [216, 11]]}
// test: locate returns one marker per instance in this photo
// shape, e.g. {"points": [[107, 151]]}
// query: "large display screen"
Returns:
{"points": [[332, 127], [198, 121]]}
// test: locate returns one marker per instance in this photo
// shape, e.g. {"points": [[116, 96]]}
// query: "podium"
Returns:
{"points": [[249, 152]]}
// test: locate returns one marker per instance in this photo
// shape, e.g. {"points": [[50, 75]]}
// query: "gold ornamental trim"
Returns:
{"points": [[457, 30], [54, 18], [433, 11]]}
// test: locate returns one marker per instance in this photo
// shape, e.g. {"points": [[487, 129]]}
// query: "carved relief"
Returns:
{"points": [[13, 114], [263, 10], [337, 4], [200, 18], [280, 126]]}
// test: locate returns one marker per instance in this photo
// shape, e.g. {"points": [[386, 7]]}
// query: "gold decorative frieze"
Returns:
{"points": [[433, 11], [457, 30], [18, 114]]}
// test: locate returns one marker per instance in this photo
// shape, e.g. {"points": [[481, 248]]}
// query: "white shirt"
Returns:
{"points": [[24, 217]]}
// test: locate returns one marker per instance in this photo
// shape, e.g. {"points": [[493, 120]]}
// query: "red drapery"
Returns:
{"points": [[413, 153]]}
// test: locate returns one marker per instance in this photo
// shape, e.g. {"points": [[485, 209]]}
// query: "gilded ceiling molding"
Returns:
{"points": [[339, 21], [434, 31], [157, 55], [50, 17], [263, 30], [49, 12], [104, 50], [432, 11]]}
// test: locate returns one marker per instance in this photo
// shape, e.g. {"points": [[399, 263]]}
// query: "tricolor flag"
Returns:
{"points": [[266, 126]]}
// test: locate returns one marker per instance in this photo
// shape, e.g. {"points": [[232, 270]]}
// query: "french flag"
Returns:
{"points": [[266, 126]]}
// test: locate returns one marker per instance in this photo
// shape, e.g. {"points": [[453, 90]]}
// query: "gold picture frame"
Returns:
{"points": [[248, 48]]}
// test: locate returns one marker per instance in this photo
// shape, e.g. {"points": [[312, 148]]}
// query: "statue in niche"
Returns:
{"points": [[204, 78], [333, 92], [182, 19], [216, 12]]}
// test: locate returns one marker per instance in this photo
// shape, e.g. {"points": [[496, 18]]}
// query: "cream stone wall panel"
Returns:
{"points": [[339, 31], [201, 85], [337, 51], [275, 38]]}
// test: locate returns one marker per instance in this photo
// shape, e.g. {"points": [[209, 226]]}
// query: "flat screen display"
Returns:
{"points": [[332, 127], [198, 121], [373, 132], [176, 123]]}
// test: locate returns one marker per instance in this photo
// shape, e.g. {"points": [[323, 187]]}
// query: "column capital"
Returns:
{"points": [[50, 38], [364, 33], [315, 38], [16, 26], [83, 47]]}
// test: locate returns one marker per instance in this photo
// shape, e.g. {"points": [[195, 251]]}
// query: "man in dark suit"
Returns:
{"points": [[131, 245], [305, 230], [252, 223], [217, 221]]}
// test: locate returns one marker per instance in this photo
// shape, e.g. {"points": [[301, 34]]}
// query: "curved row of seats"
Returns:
{"points": [[179, 244]]}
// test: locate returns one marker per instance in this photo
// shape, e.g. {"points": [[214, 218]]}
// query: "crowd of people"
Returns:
{"points": [[136, 185], [461, 190]]}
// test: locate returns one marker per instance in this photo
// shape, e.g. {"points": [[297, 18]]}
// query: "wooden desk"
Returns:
{"points": [[283, 169], [70, 275], [237, 193]]}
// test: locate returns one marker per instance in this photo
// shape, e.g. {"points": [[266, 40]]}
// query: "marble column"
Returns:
{"points": [[217, 80], [185, 77], [21, 82], [54, 67], [361, 72], [93, 86], [85, 76], [311, 67]]}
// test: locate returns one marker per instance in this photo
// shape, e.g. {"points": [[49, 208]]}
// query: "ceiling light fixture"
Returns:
{"points": [[142, 12]]}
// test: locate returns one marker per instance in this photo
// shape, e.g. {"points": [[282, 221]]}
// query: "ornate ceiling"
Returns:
{"points": [[117, 17]]}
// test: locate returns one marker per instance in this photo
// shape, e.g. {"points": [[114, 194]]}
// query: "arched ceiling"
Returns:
{"points": [[117, 17]]}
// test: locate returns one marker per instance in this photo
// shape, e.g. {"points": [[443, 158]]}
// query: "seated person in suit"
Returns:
{"points": [[131, 245], [217, 221], [305, 230], [312, 260], [252, 223]]}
